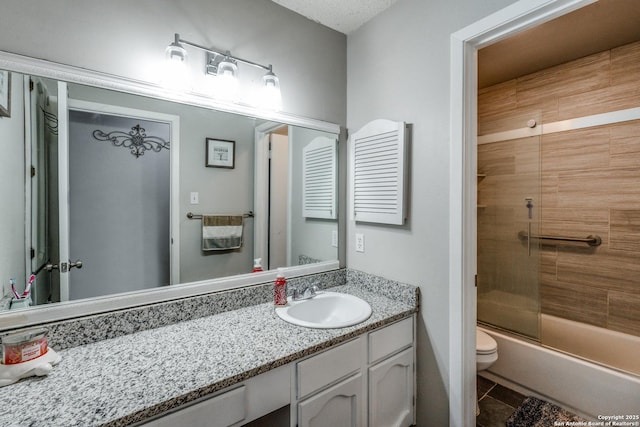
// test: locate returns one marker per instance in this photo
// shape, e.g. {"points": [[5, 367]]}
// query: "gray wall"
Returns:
{"points": [[128, 38], [12, 262], [398, 68]]}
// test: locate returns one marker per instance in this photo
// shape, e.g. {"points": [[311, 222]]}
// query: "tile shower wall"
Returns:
{"points": [[590, 181]]}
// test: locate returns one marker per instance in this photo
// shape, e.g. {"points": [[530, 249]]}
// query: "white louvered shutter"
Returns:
{"points": [[319, 179], [378, 171]]}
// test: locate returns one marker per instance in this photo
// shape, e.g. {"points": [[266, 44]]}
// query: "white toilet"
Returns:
{"points": [[486, 355], [486, 350]]}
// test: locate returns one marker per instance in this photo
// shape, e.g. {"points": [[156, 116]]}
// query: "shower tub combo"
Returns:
{"points": [[558, 283]]}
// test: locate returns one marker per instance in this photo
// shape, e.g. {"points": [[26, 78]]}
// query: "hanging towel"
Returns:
{"points": [[221, 232]]}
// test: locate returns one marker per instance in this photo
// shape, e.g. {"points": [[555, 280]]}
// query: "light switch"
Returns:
{"points": [[359, 242], [334, 238], [195, 198]]}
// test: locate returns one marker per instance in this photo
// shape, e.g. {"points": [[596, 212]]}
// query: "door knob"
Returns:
{"points": [[64, 267], [50, 267]]}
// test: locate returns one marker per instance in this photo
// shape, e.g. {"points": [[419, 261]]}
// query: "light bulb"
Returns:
{"points": [[175, 72], [270, 97], [226, 85]]}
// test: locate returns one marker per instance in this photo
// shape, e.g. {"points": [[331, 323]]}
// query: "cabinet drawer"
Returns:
{"points": [[243, 403], [223, 410], [390, 339], [328, 367]]}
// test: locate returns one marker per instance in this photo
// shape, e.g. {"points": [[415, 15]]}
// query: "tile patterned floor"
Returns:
{"points": [[497, 403]]}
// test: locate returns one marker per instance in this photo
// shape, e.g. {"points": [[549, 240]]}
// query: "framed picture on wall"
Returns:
{"points": [[221, 153], [5, 93]]}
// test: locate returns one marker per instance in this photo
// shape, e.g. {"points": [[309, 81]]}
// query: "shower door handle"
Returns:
{"points": [[529, 205]]}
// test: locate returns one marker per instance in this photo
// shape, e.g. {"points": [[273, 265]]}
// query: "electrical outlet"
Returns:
{"points": [[334, 238], [359, 242], [195, 198]]}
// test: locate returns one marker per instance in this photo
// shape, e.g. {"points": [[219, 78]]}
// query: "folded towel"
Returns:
{"points": [[221, 232]]}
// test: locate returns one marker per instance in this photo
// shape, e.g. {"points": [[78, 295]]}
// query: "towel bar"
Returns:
{"points": [[191, 215], [591, 240]]}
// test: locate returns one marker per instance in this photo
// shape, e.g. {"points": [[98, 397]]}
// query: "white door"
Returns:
{"points": [[391, 391], [103, 222], [338, 406]]}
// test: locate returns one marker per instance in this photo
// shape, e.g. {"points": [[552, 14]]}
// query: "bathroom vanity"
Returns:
{"points": [[327, 388], [232, 367]]}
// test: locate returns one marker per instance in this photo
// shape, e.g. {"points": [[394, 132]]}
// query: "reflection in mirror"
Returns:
{"points": [[107, 179]]}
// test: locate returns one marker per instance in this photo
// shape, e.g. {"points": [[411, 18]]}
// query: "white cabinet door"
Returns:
{"points": [[338, 406], [391, 391]]}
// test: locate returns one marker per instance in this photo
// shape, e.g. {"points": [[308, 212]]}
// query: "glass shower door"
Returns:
{"points": [[508, 220]]}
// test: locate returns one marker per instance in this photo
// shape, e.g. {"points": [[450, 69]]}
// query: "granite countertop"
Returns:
{"points": [[122, 380]]}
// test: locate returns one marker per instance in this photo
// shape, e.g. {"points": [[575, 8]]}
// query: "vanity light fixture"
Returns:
{"points": [[224, 67]]}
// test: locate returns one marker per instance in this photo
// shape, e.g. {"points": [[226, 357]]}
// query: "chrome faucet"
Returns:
{"points": [[307, 293]]}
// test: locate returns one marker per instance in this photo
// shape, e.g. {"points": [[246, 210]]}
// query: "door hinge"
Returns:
{"points": [[33, 171], [476, 281], [30, 85], [33, 253]]}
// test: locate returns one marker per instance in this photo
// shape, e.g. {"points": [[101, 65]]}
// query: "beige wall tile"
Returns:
{"points": [[605, 188], [497, 99], [579, 76], [548, 264], [624, 312], [496, 159], [599, 101], [625, 145], [582, 149], [549, 189], [599, 267], [625, 231], [574, 302], [625, 130], [625, 64]]}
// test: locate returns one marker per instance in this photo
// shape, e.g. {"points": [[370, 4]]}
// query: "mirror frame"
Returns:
{"points": [[72, 309]]}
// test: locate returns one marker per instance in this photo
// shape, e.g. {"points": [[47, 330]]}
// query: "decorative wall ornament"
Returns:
{"points": [[50, 121], [136, 140]]}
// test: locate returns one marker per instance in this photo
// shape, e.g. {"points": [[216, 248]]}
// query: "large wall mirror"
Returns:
{"points": [[107, 192]]}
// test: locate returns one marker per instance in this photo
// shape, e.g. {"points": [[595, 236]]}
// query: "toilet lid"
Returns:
{"points": [[484, 343]]}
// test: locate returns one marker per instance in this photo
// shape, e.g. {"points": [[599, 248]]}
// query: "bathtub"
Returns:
{"points": [[585, 388]]}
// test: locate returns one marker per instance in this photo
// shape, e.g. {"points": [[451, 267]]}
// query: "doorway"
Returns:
{"points": [[464, 175], [271, 200]]}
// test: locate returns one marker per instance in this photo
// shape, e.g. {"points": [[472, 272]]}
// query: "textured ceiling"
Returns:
{"points": [[344, 16]]}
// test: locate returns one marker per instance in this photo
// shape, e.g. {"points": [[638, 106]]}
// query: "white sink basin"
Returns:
{"points": [[326, 310]]}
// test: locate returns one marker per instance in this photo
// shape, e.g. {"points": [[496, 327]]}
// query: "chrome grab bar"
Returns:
{"points": [[591, 240]]}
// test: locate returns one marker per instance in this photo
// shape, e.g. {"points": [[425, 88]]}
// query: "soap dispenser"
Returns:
{"points": [[280, 289], [257, 266]]}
